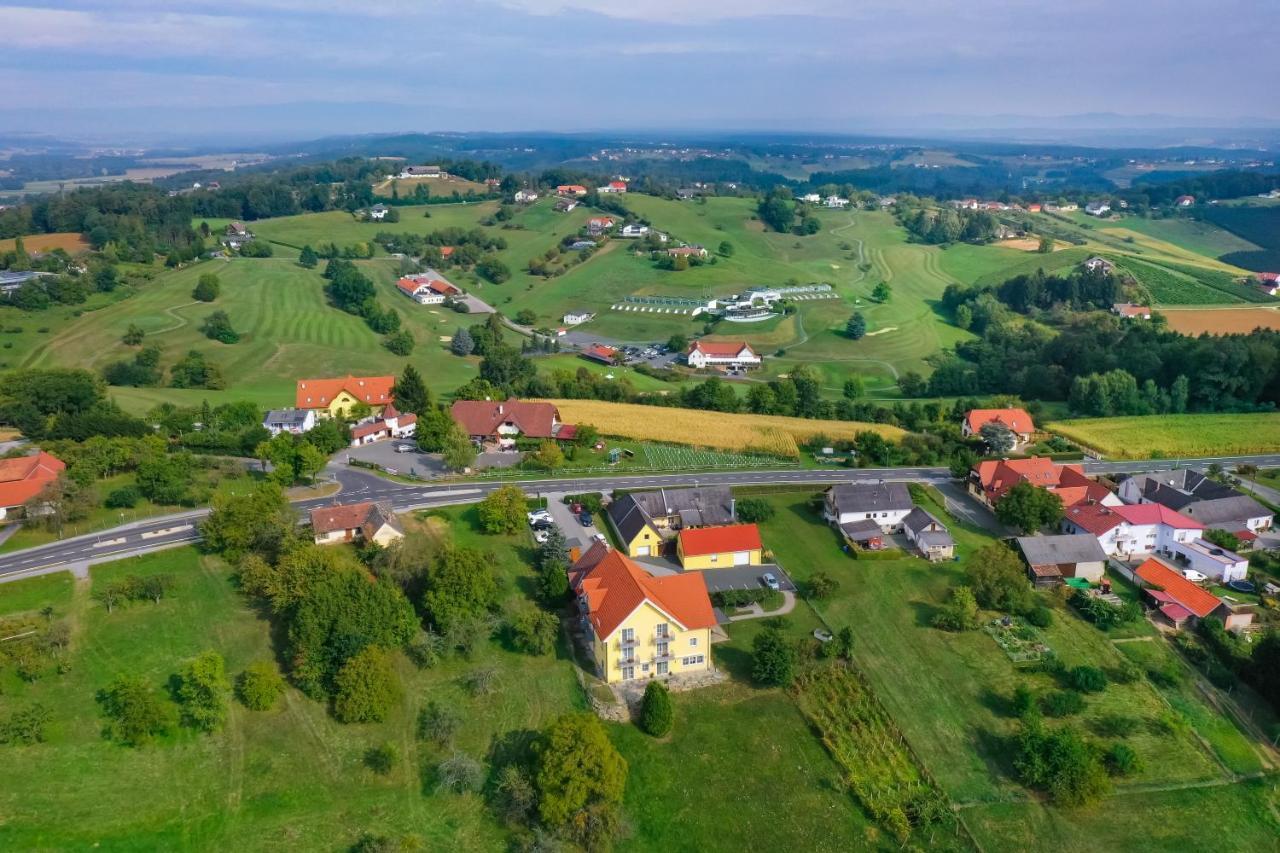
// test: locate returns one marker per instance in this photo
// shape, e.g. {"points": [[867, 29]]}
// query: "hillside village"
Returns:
{"points": [[481, 475]]}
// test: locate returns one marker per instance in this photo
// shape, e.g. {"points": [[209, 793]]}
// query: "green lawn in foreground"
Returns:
{"points": [[34, 593], [947, 691]]}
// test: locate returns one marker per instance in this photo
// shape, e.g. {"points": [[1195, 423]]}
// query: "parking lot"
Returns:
{"points": [[745, 577], [384, 453], [568, 522]]}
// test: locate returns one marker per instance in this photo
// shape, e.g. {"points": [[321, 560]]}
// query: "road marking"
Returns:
{"points": [[151, 534], [105, 542]]}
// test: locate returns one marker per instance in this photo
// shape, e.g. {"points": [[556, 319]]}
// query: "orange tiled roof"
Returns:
{"points": [[698, 541], [1015, 419], [1199, 601], [23, 477], [615, 586], [319, 393]]}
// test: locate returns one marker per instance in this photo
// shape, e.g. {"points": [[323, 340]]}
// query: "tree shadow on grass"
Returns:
{"points": [[737, 662], [925, 612]]}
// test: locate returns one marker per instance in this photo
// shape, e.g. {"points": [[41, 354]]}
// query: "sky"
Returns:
{"points": [[303, 68]]}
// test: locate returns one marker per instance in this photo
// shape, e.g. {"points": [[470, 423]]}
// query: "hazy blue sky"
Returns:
{"points": [[336, 66]]}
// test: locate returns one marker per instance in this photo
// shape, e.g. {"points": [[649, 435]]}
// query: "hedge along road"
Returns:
{"points": [[171, 531]]}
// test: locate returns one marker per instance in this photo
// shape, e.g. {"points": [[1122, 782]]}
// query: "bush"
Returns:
{"points": [[1062, 703], [125, 497], [1041, 617], [382, 759], [1166, 675], [1023, 701], [260, 686], [822, 585], [426, 649], [438, 723], [207, 288], [656, 713], [481, 681], [1061, 762], [1115, 725], [1122, 760], [960, 613], [460, 773], [25, 726], [1126, 672], [773, 662], [754, 510], [134, 712], [533, 630], [1087, 679], [367, 687], [201, 690]]}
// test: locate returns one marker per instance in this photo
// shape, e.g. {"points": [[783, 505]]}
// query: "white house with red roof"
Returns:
{"points": [[571, 190], [428, 288], [613, 187], [721, 354], [1184, 200], [1131, 311], [600, 224], [600, 352], [1017, 421], [390, 424], [1268, 282], [1130, 531], [24, 477]]}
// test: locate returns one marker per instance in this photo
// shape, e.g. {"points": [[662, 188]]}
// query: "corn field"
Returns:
{"points": [[773, 435], [878, 765]]}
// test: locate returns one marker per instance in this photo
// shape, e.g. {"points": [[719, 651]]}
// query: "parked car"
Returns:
{"points": [[584, 518], [599, 537], [769, 580], [542, 524], [404, 448], [1193, 576], [541, 535], [537, 516]]}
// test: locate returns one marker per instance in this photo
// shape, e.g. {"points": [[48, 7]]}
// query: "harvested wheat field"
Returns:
{"points": [[66, 240], [1221, 321], [773, 434]]}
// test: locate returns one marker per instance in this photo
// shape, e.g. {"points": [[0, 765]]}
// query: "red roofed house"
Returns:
{"points": [[390, 424], [367, 521], [1268, 282], [599, 224], [1185, 200], [1182, 602], [428, 288], [990, 479], [1130, 311], [500, 423], [639, 626], [571, 189], [337, 397], [1132, 529], [1033, 208], [601, 353], [721, 354], [1016, 420], [719, 547], [688, 252], [24, 477], [613, 187]]}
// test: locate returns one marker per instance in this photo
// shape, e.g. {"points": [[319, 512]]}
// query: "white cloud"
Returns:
{"points": [[27, 27]]}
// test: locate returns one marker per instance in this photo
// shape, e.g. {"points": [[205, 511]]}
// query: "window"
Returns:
{"points": [[644, 667], [662, 668], [628, 673], [662, 649], [693, 641], [628, 634], [715, 557], [661, 630]]}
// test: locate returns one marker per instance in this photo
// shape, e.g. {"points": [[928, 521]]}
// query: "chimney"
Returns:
{"points": [[500, 409]]}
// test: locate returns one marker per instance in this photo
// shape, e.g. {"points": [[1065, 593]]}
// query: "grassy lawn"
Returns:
{"points": [[740, 771], [948, 691], [34, 593]]}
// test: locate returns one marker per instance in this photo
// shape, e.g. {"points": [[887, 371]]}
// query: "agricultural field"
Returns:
{"points": [[67, 241], [946, 692], [1256, 224], [774, 435], [288, 331], [1177, 284], [1221, 321], [1171, 436], [1197, 240], [442, 186]]}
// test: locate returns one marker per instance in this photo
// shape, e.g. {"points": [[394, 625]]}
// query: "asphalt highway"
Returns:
{"points": [[169, 531]]}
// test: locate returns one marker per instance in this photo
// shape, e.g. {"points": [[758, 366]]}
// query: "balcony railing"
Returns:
{"points": [[625, 643], [667, 655]]}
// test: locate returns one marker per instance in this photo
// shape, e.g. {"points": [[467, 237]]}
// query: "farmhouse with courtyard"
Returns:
{"points": [[647, 523], [25, 477], [499, 423]]}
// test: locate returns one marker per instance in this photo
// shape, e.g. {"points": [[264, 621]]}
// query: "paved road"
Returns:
{"points": [[168, 531]]}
